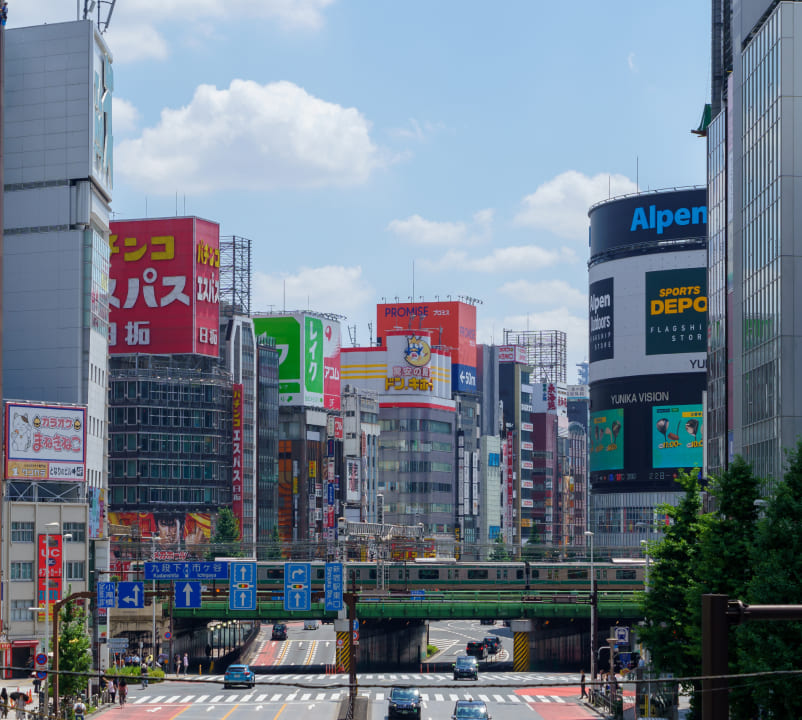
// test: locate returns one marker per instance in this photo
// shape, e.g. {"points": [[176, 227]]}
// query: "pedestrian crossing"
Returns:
{"points": [[306, 695], [428, 678]]}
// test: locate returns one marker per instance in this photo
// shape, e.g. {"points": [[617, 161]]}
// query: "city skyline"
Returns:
{"points": [[373, 153]]}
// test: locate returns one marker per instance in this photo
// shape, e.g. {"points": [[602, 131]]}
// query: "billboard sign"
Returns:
{"points": [[352, 493], [451, 325], [676, 311], [175, 535], [164, 286], [309, 358], [45, 442], [601, 320], [677, 436], [607, 440], [512, 354], [49, 569], [236, 453]]}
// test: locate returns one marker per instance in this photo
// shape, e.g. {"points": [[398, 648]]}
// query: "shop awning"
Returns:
{"points": [[24, 643]]}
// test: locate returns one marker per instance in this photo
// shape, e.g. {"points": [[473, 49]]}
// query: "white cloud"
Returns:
{"points": [[631, 62], [429, 233], [549, 292], [561, 205], [250, 137], [416, 130], [332, 288], [509, 259], [125, 117], [136, 40]]}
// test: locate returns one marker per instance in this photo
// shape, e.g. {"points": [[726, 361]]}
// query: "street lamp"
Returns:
{"points": [[589, 534]]}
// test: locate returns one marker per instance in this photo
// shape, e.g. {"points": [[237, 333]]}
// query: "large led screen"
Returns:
{"points": [[677, 436], [607, 440]]}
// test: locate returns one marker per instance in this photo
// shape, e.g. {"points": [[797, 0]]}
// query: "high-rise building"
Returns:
{"points": [[57, 134], [754, 399]]}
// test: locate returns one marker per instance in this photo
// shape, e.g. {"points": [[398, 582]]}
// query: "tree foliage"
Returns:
{"points": [[74, 650], [499, 552], [226, 540]]}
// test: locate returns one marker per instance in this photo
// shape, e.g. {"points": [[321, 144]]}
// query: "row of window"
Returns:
{"points": [[208, 471], [179, 392], [23, 531], [415, 445], [122, 494], [167, 417], [73, 570], [415, 466], [416, 425]]}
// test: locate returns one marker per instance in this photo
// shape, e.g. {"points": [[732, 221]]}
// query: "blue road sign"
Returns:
{"points": [[105, 594], [334, 586], [242, 586], [131, 595], [200, 570], [187, 594], [297, 586]]}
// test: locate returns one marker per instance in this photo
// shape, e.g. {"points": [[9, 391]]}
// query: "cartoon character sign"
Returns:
{"points": [[21, 432], [417, 353]]}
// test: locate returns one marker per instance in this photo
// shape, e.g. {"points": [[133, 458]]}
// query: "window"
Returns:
{"points": [[19, 610], [22, 532], [77, 530], [22, 571], [74, 570]]}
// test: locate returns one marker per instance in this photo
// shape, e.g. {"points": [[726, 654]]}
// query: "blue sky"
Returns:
{"points": [[352, 140]]}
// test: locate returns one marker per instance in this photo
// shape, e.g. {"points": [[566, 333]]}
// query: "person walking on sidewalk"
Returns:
{"points": [[186, 663], [3, 703], [177, 664], [582, 685]]}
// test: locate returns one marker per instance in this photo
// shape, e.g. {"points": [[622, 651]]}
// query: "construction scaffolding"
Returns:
{"points": [[545, 352], [235, 274]]}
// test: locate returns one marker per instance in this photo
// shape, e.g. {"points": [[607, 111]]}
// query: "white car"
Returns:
{"points": [[311, 624]]}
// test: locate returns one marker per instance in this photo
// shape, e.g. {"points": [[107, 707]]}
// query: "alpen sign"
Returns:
{"points": [[600, 313]]}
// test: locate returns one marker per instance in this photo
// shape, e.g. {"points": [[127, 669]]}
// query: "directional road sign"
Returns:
{"points": [[105, 594], [131, 595], [187, 594], [297, 586], [242, 586], [200, 570], [334, 586]]}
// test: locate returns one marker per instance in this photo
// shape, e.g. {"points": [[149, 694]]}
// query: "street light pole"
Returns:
{"points": [[589, 534]]}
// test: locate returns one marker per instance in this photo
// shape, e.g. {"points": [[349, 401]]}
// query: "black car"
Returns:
{"points": [[477, 648], [279, 632], [493, 644], [466, 667], [404, 702], [470, 710]]}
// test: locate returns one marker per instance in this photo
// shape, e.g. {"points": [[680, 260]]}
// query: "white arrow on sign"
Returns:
{"points": [[243, 596], [298, 571], [187, 594], [135, 598], [244, 572]]}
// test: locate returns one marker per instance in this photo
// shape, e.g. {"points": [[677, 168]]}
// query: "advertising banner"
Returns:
{"points": [[512, 354], [169, 531], [352, 489], [676, 311], [164, 282], [96, 498], [49, 571], [677, 436], [607, 440], [45, 442], [331, 365], [451, 324], [601, 315], [236, 453]]}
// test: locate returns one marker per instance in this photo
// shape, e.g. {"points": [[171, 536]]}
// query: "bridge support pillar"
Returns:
{"points": [[520, 643], [342, 647]]}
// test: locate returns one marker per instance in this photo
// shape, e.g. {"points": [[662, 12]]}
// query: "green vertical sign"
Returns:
{"points": [[313, 357], [287, 332]]}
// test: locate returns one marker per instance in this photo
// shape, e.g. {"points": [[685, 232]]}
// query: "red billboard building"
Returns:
{"points": [[453, 326], [164, 286]]}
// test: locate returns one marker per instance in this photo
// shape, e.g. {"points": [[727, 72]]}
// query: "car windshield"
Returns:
{"points": [[404, 694], [478, 711], [238, 668], [466, 661]]}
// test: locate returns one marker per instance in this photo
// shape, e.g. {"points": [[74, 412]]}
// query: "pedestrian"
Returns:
{"points": [[177, 664], [582, 685], [122, 690], [112, 690], [186, 663], [143, 671], [19, 705], [79, 709], [4, 703]]}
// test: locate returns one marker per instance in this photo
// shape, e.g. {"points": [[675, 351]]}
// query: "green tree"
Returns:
{"points": [[723, 563], [499, 552], [769, 645], [667, 617], [226, 540], [273, 550], [74, 650]]}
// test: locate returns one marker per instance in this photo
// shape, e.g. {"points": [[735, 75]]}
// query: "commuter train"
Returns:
{"points": [[450, 575]]}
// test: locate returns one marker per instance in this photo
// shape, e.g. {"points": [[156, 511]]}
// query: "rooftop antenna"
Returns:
{"points": [[413, 282], [370, 334]]}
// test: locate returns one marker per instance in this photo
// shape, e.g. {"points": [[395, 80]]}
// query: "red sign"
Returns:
{"points": [[451, 324], [49, 571], [236, 455], [164, 286], [338, 428], [331, 366]]}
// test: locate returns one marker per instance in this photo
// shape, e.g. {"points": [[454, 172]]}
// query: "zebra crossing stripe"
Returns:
{"points": [[216, 698], [260, 698], [158, 698], [275, 698], [172, 699], [140, 700], [187, 698]]}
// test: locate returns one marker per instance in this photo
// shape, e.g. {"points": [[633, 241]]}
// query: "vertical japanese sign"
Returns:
{"points": [[509, 494], [49, 572], [313, 355], [331, 365], [164, 286], [236, 454]]}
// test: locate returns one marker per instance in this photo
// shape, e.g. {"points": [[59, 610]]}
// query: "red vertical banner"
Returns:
{"points": [[49, 572], [236, 455]]}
